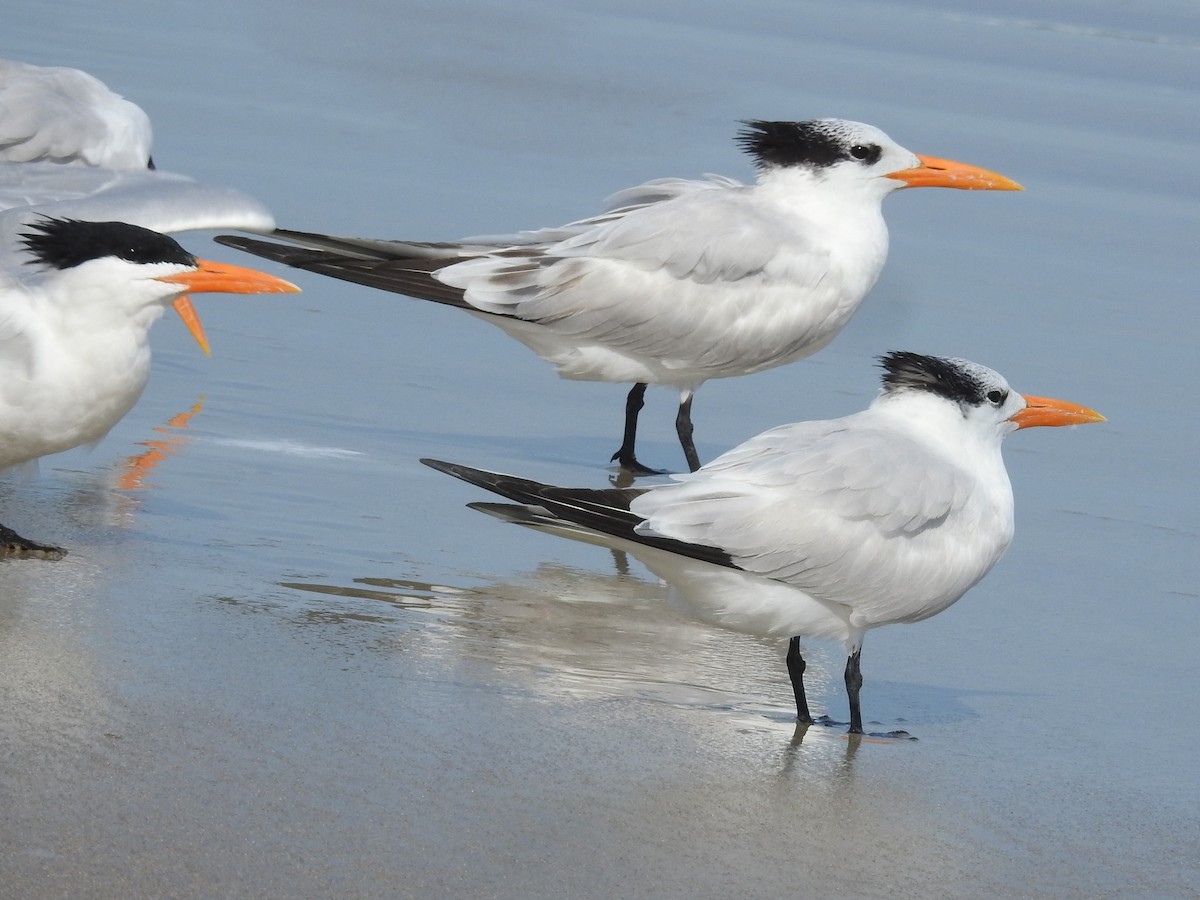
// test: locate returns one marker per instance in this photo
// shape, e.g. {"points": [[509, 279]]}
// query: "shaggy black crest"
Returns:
{"points": [[66, 243], [934, 374], [813, 144]]}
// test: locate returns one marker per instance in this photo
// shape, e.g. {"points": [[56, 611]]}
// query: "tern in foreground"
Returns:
{"points": [[836, 527], [74, 333], [679, 281]]}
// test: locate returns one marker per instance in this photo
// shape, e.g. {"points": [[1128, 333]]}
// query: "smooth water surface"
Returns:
{"points": [[282, 659]]}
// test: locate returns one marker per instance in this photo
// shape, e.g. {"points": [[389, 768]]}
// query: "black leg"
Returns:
{"points": [[795, 667], [683, 427], [625, 456], [13, 546], [853, 684]]}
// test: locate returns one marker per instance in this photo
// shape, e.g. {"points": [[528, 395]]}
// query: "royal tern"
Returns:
{"points": [[63, 115], [835, 527], [679, 281], [74, 333]]}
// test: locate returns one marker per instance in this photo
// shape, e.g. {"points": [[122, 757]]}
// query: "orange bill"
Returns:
{"points": [[222, 278], [1044, 411], [947, 173], [215, 277], [187, 312]]}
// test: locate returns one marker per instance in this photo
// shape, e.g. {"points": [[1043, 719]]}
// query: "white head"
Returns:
{"points": [[838, 151], [115, 273], [961, 390]]}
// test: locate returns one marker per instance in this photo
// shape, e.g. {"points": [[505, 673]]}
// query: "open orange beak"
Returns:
{"points": [[215, 277], [187, 312], [1044, 411], [935, 172]]}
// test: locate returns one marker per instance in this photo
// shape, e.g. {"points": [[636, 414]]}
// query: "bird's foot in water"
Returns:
{"points": [[633, 467], [889, 735], [13, 546]]}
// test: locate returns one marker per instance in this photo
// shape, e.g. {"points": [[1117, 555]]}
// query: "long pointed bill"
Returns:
{"points": [[215, 277], [1044, 411], [947, 173], [222, 278]]}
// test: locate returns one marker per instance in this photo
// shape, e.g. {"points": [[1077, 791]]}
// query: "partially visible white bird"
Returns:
{"points": [[71, 148], [679, 281], [64, 115], [831, 527], [74, 333]]}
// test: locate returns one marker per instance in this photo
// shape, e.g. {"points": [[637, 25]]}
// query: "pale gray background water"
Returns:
{"points": [[292, 663]]}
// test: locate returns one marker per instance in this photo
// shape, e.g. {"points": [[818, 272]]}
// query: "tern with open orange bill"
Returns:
{"points": [[74, 344]]}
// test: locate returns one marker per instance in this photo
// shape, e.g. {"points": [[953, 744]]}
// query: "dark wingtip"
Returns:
{"points": [[237, 241], [478, 477], [447, 467], [297, 257]]}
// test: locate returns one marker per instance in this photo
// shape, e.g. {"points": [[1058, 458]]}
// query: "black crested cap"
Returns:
{"points": [[817, 143], [949, 378], [66, 243]]}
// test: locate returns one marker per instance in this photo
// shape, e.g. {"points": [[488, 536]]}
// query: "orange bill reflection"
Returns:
{"points": [[134, 470]]}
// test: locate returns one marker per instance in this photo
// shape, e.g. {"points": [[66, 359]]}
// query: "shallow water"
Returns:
{"points": [[285, 660]]}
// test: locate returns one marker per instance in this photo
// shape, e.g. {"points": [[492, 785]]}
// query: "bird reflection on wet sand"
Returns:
{"points": [[573, 632]]}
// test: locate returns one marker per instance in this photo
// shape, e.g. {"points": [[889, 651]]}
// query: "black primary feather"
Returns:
{"points": [[413, 277], [602, 510], [66, 243]]}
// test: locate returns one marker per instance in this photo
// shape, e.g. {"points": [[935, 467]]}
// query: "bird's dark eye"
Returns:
{"points": [[868, 153], [997, 397]]}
